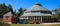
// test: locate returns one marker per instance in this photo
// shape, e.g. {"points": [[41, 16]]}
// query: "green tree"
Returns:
{"points": [[21, 11], [3, 8], [9, 8], [57, 11]]}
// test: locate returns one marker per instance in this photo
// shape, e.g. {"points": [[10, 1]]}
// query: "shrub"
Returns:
{"points": [[3, 24]]}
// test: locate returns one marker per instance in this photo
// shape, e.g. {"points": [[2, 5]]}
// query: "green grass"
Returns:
{"points": [[33, 25]]}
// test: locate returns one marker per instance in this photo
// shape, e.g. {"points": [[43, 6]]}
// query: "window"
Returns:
{"points": [[34, 11], [45, 12], [7, 17]]}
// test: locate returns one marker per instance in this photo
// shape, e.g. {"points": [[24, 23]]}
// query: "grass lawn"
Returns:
{"points": [[33, 25]]}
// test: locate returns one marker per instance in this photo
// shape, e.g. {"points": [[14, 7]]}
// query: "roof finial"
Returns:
{"points": [[38, 4]]}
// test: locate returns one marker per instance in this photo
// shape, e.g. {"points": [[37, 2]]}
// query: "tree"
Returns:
{"points": [[57, 11], [21, 11], [3, 24], [3, 8], [9, 8]]}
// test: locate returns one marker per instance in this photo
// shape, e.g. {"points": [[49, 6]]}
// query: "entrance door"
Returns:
{"points": [[31, 21], [37, 20]]}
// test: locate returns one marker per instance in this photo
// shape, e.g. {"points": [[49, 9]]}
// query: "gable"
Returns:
{"points": [[8, 14]]}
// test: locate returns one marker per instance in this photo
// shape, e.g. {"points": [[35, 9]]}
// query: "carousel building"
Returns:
{"points": [[37, 14]]}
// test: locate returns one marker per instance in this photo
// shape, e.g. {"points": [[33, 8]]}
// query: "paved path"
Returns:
{"points": [[50, 23]]}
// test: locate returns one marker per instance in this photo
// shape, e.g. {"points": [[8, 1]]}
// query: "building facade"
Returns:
{"points": [[37, 14]]}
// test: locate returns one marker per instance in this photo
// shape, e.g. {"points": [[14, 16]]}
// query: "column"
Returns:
{"points": [[26, 17], [34, 18], [41, 18]]}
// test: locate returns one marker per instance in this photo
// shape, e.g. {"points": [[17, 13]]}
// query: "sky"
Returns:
{"points": [[27, 4]]}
